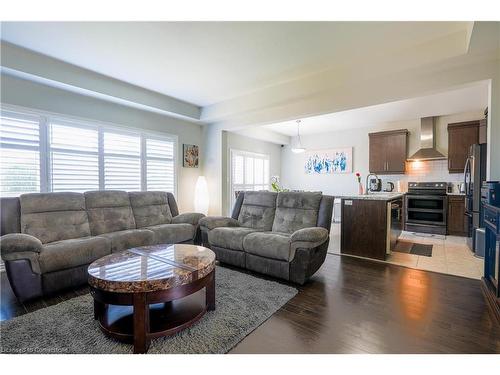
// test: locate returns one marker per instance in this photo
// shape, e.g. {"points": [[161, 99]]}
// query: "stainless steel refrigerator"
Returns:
{"points": [[474, 175]]}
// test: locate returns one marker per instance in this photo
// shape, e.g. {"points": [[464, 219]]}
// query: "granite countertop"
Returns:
{"points": [[374, 196], [384, 196]]}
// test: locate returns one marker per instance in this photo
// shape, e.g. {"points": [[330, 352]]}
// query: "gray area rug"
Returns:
{"points": [[243, 302]]}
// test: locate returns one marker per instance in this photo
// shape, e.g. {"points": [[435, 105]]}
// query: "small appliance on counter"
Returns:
{"points": [[389, 187], [375, 184]]}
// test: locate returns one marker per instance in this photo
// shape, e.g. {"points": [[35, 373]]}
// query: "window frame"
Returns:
{"points": [[232, 153], [46, 118]]}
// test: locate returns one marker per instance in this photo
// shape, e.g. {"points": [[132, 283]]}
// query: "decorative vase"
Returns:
{"points": [[360, 188]]}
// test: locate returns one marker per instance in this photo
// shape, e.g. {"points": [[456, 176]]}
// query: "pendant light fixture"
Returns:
{"points": [[297, 145]]}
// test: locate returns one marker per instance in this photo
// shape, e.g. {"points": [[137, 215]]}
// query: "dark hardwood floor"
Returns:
{"points": [[359, 306]]}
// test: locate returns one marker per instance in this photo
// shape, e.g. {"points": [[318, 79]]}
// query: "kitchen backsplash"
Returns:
{"points": [[425, 171]]}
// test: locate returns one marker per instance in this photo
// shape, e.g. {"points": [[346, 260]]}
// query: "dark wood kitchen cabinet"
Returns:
{"points": [[460, 136], [457, 223], [388, 151]]}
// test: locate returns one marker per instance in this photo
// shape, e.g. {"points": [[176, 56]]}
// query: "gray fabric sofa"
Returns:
{"points": [[49, 239], [284, 235]]}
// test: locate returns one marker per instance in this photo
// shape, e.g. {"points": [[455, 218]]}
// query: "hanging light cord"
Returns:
{"points": [[298, 133]]}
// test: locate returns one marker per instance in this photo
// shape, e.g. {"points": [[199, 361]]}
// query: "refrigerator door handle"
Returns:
{"points": [[466, 169]]}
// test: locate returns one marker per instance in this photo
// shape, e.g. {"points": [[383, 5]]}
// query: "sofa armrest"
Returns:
{"points": [[16, 246], [211, 222], [313, 235], [19, 243], [187, 218]]}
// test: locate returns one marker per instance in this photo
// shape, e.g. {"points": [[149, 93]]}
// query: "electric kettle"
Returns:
{"points": [[389, 187]]}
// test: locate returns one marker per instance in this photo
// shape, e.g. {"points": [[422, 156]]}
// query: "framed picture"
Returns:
{"points": [[190, 156], [329, 161]]}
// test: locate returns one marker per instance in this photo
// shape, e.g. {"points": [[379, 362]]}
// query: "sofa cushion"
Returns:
{"points": [[188, 218], [296, 210], [212, 222], [257, 210], [229, 237], [109, 211], [150, 208], [172, 233], [127, 239], [268, 244], [54, 216], [71, 253]]}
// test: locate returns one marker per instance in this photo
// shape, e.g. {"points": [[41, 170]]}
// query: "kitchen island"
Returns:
{"points": [[371, 224]]}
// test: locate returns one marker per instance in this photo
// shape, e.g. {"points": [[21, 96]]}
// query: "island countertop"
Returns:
{"points": [[373, 197]]}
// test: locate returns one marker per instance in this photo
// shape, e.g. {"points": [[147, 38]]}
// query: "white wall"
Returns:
{"points": [[292, 165], [235, 141], [33, 95]]}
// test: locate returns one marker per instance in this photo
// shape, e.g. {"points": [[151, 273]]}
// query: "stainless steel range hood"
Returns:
{"points": [[427, 150]]}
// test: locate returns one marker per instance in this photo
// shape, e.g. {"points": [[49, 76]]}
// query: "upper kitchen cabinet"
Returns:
{"points": [[460, 136], [388, 151]]}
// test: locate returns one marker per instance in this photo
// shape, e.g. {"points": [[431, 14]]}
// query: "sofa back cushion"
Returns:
{"points": [[54, 216], [109, 211], [257, 210], [296, 210], [150, 208]]}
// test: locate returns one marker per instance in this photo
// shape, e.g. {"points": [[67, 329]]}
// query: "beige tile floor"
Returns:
{"points": [[450, 254]]}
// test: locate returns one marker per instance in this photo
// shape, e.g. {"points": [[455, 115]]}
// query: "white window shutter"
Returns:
{"points": [[160, 165], [74, 158], [19, 154], [122, 161]]}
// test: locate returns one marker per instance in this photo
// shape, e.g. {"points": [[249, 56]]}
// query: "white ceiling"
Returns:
{"points": [[470, 98], [209, 62]]}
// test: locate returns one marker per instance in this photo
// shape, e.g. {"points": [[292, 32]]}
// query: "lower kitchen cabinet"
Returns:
{"points": [[370, 228], [457, 223]]}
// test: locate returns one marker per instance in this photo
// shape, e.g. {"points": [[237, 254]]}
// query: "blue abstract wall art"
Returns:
{"points": [[329, 161]]}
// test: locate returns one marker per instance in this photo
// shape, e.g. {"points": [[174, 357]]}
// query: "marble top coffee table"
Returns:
{"points": [[152, 291]]}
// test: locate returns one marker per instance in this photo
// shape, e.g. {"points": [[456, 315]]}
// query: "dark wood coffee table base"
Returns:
{"points": [[138, 317]]}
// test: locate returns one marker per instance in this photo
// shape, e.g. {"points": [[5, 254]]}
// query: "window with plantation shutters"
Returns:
{"points": [[19, 154], [43, 153], [122, 161], [249, 171], [74, 157], [160, 165]]}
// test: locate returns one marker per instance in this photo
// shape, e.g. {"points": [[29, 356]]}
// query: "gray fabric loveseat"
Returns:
{"points": [[49, 239], [284, 235]]}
